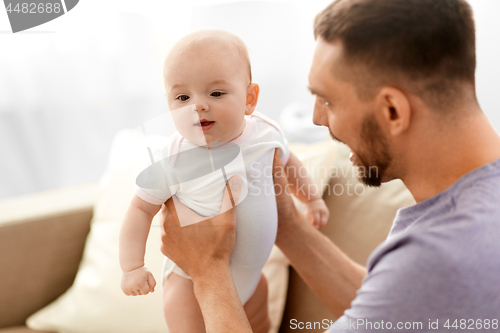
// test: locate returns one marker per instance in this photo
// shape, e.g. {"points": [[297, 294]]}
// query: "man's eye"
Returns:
{"points": [[183, 98], [216, 94], [322, 101]]}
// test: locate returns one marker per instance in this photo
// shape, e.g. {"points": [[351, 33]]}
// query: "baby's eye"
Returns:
{"points": [[216, 94], [183, 98]]}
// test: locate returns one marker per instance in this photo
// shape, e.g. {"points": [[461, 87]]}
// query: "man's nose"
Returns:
{"points": [[319, 115]]}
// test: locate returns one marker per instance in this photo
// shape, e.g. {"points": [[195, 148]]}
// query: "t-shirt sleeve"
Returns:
{"points": [[272, 131], [152, 196], [158, 182], [408, 288], [284, 150]]}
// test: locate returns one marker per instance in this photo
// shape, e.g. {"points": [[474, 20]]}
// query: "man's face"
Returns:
{"points": [[350, 120]]}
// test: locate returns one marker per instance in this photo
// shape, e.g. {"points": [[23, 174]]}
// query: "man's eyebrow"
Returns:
{"points": [[314, 92]]}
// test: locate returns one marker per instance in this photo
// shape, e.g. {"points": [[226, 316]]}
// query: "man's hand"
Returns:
{"points": [[198, 248]]}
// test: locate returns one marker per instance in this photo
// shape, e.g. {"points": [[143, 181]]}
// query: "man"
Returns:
{"points": [[394, 80]]}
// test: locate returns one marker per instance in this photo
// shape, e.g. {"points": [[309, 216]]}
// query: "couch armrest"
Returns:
{"points": [[42, 237]]}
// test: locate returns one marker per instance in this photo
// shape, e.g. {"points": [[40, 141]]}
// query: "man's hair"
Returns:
{"points": [[424, 46]]}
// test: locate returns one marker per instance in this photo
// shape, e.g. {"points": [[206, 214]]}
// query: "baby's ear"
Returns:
{"points": [[252, 97]]}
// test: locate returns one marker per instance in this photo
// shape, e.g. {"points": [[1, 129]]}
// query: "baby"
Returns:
{"points": [[210, 91]]}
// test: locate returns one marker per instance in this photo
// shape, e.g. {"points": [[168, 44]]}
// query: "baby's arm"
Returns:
{"points": [[302, 186], [136, 278]]}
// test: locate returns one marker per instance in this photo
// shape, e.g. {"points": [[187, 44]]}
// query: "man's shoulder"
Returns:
{"points": [[464, 234], [439, 266], [481, 194], [460, 228], [472, 202]]}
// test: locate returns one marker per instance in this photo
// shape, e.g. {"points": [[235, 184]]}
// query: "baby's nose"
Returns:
{"points": [[200, 106]]}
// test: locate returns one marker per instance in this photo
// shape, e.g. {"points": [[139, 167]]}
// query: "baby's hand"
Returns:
{"points": [[140, 281], [317, 212]]}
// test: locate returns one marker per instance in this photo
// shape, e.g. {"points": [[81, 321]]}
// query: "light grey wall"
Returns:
{"points": [[68, 86], [486, 14]]}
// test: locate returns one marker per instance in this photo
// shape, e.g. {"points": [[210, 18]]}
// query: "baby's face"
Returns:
{"points": [[206, 91]]}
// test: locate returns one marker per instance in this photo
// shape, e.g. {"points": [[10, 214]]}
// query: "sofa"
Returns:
{"points": [[48, 250]]}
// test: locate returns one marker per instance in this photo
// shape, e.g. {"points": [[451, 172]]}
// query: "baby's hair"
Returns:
{"points": [[233, 42]]}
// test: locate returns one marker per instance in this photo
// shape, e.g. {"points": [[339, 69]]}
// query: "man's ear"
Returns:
{"points": [[252, 97], [394, 110]]}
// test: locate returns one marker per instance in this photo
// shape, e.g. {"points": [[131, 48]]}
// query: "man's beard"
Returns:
{"points": [[376, 158]]}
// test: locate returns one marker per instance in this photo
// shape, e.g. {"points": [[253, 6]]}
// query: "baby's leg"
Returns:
{"points": [[256, 308], [182, 312]]}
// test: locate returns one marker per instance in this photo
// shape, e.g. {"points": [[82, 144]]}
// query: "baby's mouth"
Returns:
{"points": [[204, 125]]}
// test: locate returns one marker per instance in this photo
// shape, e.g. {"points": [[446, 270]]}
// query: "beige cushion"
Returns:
{"points": [[95, 302], [358, 223]]}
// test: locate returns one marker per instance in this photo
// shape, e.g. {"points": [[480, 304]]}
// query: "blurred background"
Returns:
{"points": [[68, 86]]}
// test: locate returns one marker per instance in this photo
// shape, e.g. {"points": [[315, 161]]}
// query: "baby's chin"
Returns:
{"points": [[205, 141], [211, 139]]}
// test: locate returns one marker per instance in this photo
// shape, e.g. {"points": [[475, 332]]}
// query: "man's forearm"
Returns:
{"points": [[219, 302], [329, 272]]}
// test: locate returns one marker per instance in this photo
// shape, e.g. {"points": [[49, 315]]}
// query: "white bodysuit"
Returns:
{"points": [[256, 212]]}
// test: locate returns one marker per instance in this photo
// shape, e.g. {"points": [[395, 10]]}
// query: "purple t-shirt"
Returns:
{"points": [[439, 269]]}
